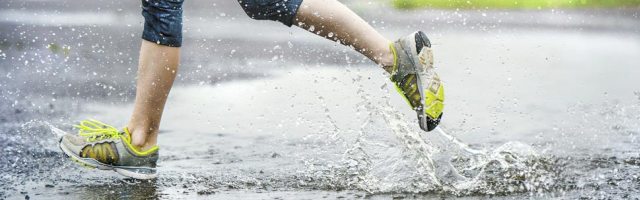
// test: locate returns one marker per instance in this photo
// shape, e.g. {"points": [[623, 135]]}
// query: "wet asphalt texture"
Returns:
{"points": [[264, 111]]}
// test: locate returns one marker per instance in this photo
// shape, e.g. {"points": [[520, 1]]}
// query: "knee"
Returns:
{"points": [[276, 10], [163, 22], [258, 9]]}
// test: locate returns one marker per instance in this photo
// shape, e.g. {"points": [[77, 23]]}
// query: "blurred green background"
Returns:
{"points": [[517, 4]]}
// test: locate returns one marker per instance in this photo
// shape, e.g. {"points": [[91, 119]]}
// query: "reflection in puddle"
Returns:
{"points": [[122, 189]]}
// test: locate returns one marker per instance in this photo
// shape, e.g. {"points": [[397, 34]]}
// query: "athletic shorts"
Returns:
{"points": [[163, 18]]}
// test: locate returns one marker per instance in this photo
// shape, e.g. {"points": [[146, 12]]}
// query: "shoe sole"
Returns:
{"points": [[434, 93], [94, 164], [430, 114]]}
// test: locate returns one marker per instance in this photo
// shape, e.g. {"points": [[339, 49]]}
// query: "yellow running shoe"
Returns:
{"points": [[416, 80], [101, 146]]}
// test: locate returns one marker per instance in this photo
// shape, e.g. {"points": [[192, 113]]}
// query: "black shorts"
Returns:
{"points": [[163, 18]]}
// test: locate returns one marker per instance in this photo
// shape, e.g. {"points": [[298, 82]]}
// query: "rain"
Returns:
{"points": [[542, 102]]}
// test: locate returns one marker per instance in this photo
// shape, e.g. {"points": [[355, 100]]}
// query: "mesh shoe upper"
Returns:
{"points": [[108, 146]]}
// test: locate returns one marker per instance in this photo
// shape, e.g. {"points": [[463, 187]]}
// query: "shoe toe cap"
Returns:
{"points": [[72, 139]]}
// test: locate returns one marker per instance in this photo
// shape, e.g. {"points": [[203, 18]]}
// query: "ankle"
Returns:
{"points": [[144, 147], [385, 57], [142, 138], [387, 61]]}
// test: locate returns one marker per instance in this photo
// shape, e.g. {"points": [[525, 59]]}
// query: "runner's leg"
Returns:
{"points": [[159, 62], [330, 19], [411, 70], [157, 68], [333, 20]]}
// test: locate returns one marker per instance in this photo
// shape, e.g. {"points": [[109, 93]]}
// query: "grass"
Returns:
{"points": [[55, 48], [517, 4]]}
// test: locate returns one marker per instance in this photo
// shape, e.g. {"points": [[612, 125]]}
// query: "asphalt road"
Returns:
{"points": [[545, 104]]}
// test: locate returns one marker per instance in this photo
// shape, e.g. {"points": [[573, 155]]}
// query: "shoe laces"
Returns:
{"points": [[94, 130]]}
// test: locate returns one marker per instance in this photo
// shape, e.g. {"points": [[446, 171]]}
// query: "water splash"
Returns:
{"points": [[399, 158]]}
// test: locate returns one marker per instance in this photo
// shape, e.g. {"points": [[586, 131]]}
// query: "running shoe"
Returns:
{"points": [[101, 146], [415, 78]]}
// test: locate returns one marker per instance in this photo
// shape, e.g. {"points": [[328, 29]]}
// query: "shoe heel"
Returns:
{"points": [[422, 41]]}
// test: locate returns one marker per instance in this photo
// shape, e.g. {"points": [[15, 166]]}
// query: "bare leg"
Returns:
{"points": [[333, 20], [158, 64], [157, 69]]}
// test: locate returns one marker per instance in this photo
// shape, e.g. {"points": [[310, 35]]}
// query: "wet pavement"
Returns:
{"points": [[540, 104]]}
